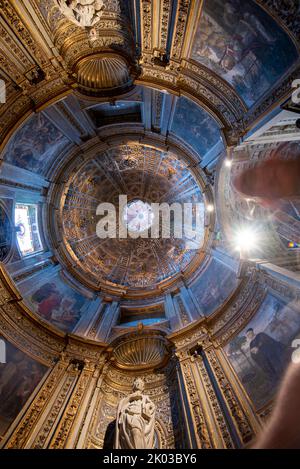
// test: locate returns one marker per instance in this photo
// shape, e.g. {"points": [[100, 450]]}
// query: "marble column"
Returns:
{"points": [[171, 313], [191, 304], [88, 319], [218, 413], [235, 406], [109, 318], [189, 427], [95, 393]]}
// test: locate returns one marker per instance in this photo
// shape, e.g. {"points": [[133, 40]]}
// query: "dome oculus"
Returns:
{"points": [[138, 216]]}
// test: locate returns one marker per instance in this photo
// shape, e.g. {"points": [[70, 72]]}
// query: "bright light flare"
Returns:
{"points": [[246, 239], [210, 208], [228, 163]]}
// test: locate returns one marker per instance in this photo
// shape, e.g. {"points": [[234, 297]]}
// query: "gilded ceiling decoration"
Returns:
{"points": [[165, 43], [100, 51]]}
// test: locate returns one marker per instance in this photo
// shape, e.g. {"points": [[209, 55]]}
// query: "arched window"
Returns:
{"points": [[2, 351], [27, 228]]}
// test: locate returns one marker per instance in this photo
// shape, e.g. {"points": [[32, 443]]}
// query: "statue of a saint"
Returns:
{"points": [[135, 420]]}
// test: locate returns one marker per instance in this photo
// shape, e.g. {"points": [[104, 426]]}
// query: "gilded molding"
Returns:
{"points": [[236, 410], [200, 424], [165, 12], [50, 418], [181, 22], [27, 425], [146, 11], [218, 413], [21, 31], [224, 104], [68, 418]]}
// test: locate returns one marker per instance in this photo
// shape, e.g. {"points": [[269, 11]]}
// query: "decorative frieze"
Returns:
{"points": [[146, 21], [200, 424], [180, 22]]}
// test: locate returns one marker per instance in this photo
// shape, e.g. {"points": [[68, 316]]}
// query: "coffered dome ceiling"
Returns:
{"points": [[141, 173]]}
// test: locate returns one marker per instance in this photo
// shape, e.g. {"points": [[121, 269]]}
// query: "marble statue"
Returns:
{"points": [[84, 13], [135, 420]]}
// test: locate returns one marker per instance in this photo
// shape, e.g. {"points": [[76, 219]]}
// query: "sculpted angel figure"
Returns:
{"points": [[84, 13], [135, 420]]}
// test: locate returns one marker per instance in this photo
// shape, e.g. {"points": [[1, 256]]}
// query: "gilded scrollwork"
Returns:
{"points": [[201, 426], [219, 416], [238, 414], [181, 23], [146, 24], [60, 438], [27, 425]]}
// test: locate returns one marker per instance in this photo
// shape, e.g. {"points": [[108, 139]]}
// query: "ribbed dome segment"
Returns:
{"points": [[103, 73], [140, 351]]}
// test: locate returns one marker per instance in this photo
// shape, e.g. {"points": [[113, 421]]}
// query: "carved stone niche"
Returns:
{"points": [[103, 73], [161, 388], [142, 349], [145, 355], [96, 42]]}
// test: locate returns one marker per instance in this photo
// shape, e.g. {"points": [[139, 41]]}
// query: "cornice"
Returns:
{"points": [[289, 21]]}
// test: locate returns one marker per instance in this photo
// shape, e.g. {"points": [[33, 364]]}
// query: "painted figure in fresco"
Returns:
{"points": [[269, 354], [135, 420], [18, 379], [279, 325], [216, 285], [57, 306], [232, 50], [9, 372], [30, 152], [48, 298], [203, 131], [237, 40], [66, 316]]}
